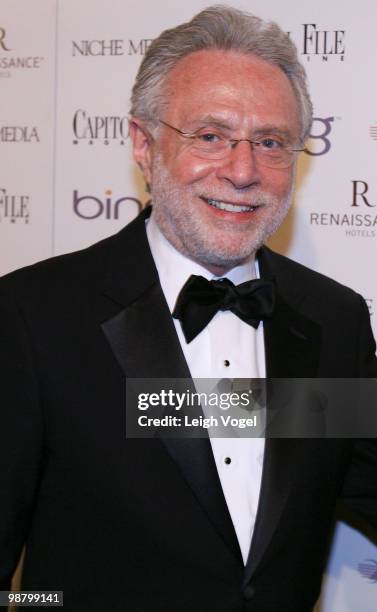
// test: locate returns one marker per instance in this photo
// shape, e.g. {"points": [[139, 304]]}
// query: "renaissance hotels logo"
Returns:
{"points": [[90, 207], [3, 44], [361, 222], [11, 62], [14, 208], [103, 129]]}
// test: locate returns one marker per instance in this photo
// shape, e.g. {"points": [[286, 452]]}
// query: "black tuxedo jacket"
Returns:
{"points": [[142, 525]]}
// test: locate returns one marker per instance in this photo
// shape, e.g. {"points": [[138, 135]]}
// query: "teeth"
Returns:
{"points": [[229, 207]]}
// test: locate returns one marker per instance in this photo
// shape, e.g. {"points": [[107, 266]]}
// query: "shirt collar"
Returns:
{"points": [[174, 268]]}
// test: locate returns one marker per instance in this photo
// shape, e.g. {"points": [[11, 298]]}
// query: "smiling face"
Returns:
{"points": [[218, 212]]}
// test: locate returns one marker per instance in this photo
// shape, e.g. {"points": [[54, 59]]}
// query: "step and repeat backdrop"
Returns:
{"points": [[67, 178]]}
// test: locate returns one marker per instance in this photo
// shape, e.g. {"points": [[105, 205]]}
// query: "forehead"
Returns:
{"points": [[241, 88]]}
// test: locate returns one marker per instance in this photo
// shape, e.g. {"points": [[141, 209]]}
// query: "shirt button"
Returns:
{"points": [[249, 592], [226, 363], [227, 460]]}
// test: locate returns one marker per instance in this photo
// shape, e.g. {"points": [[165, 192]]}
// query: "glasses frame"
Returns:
{"points": [[233, 142]]}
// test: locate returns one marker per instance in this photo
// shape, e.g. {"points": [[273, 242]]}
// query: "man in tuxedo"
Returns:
{"points": [[220, 111]]}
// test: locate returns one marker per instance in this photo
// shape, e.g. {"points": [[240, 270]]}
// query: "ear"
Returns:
{"points": [[142, 146]]}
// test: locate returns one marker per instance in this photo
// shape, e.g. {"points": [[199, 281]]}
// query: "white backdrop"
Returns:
{"points": [[67, 179]]}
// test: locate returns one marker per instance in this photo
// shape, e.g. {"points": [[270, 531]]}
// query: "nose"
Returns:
{"points": [[240, 167]]}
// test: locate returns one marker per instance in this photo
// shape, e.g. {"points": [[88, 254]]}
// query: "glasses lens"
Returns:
{"points": [[267, 153], [274, 158], [210, 146]]}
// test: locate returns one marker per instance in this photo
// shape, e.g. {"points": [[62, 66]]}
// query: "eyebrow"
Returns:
{"points": [[270, 128], [212, 120], [267, 128]]}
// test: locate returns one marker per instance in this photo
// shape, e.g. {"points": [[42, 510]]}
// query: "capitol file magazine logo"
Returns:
{"points": [[92, 207], [18, 133], [11, 62], [368, 570], [106, 129], [14, 208], [110, 47], [361, 222], [315, 42]]}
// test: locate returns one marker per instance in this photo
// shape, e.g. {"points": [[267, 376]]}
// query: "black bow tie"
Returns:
{"points": [[200, 299]]}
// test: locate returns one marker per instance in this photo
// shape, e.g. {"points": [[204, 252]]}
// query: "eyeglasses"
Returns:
{"points": [[208, 143]]}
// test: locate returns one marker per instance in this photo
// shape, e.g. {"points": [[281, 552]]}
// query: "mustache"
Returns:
{"points": [[257, 199]]}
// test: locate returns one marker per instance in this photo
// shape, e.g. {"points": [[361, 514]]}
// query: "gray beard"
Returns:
{"points": [[198, 241]]}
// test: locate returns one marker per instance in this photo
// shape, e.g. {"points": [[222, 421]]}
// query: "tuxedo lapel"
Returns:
{"points": [[292, 340], [143, 339], [292, 347], [141, 334]]}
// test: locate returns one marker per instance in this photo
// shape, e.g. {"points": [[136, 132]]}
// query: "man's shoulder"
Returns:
{"points": [[75, 268], [80, 270], [295, 278]]}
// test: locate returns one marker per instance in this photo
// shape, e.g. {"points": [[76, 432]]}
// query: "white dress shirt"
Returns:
{"points": [[227, 348]]}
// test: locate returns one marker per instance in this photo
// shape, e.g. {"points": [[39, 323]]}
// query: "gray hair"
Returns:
{"points": [[217, 27]]}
